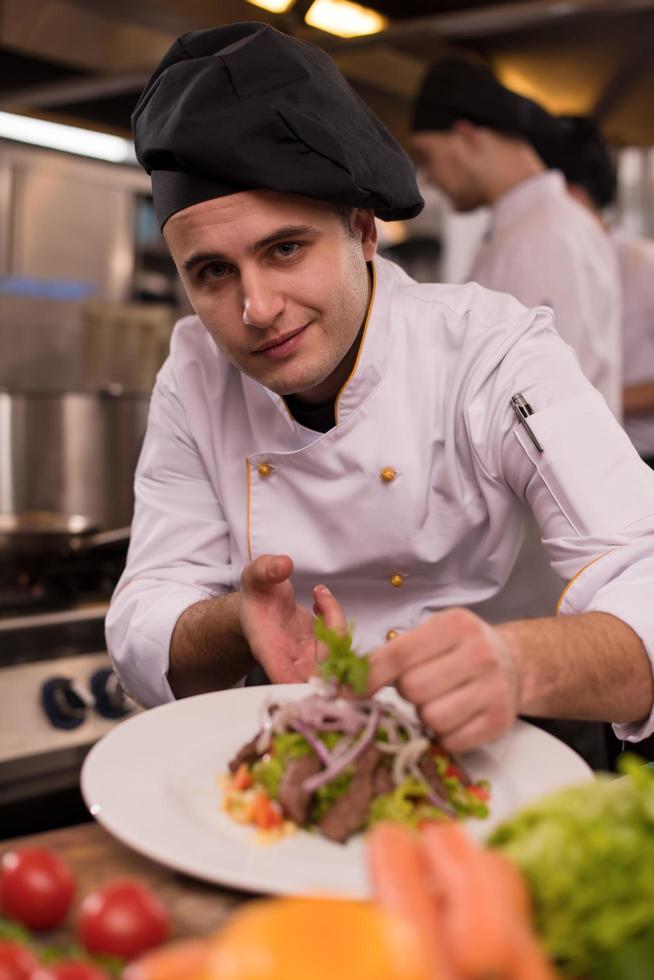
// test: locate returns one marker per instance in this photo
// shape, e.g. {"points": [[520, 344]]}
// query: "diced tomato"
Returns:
{"points": [[480, 792], [265, 815], [453, 772], [242, 778]]}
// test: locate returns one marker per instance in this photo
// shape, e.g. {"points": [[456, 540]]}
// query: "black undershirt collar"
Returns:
{"points": [[320, 418]]}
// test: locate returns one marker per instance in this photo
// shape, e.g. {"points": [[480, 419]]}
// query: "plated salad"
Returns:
{"points": [[336, 762]]}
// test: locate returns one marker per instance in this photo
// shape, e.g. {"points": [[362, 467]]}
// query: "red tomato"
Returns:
{"points": [[264, 813], [122, 919], [70, 970], [16, 961], [36, 887]]}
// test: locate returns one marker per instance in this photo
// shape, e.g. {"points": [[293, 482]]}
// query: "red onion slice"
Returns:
{"points": [[344, 759]]}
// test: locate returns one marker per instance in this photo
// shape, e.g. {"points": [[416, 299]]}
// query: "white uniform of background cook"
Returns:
{"points": [[545, 249], [428, 398], [636, 256]]}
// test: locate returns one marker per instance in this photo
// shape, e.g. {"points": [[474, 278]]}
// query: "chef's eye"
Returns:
{"points": [[213, 271], [285, 250]]}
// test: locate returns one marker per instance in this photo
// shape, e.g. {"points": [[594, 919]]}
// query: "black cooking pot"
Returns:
{"points": [[44, 533]]}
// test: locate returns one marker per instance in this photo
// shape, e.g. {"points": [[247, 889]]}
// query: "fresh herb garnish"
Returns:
{"points": [[342, 664]]}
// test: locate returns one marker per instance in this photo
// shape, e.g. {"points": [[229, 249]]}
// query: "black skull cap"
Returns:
{"points": [[245, 107], [583, 156], [456, 88]]}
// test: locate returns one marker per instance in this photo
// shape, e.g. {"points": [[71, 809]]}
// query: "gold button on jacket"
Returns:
{"points": [[264, 469], [396, 580], [391, 634], [387, 474]]}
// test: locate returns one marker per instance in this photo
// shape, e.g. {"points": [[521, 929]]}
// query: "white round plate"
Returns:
{"points": [[152, 782]]}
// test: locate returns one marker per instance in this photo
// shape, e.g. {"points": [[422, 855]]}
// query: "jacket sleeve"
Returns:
{"points": [[179, 552], [591, 494]]}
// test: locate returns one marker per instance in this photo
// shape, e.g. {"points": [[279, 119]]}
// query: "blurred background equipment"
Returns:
{"points": [[82, 63]]}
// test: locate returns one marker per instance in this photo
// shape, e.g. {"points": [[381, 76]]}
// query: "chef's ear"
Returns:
{"points": [[364, 227], [468, 131]]}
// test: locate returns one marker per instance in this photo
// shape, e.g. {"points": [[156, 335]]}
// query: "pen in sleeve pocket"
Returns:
{"points": [[523, 410]]}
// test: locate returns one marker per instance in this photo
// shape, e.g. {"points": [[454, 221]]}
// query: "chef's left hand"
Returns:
{"points": [[460, 673]]}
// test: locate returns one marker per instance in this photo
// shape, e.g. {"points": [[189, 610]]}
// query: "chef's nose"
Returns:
{"points": [[263, 301]]}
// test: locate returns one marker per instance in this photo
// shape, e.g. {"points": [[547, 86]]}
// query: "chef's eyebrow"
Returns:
{"points": [[280, 234]]}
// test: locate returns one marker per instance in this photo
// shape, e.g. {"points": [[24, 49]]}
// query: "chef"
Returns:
{"points": [[584, 159], [327, 435]]}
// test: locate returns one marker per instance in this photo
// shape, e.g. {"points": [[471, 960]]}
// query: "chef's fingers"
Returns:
{"points": [[325, 605], [437, 676], [448, 714], [266, 571], [283, 671], [440, 634], [482, 728]]}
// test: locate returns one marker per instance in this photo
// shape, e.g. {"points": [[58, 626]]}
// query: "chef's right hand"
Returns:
{"points": [[280, 632]]}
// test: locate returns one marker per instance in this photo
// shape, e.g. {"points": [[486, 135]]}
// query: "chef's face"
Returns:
{"points": [[281, 284], [445, 159]]}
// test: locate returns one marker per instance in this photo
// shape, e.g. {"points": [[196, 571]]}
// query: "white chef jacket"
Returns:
{"points": [[636, 258], [546, 249], [429, 399]]}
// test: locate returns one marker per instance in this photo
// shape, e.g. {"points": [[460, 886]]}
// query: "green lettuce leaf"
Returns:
{"points": [[406, 804], [325, 796], [588, 855], [268, 771]]}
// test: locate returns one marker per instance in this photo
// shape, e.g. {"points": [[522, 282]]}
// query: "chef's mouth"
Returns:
{"points": [[277, 342]]}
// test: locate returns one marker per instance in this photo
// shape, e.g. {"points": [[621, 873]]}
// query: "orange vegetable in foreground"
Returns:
{"points": [[401, 886], [478, 931], [470, 905], [316, 939], [529, 961], [297, 939], [446, 909], [182, 960]]}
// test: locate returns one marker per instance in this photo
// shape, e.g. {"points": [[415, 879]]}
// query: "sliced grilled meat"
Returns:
{"points": [[248, 754], [350, 811], [382, 781], [293, 800]]}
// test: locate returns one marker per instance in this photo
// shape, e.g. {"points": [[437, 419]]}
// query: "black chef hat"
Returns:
{"points": [[455, 88], [583, 156], [245, 107]]}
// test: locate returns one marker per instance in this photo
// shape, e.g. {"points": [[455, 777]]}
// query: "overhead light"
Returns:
{"points": [[72, 139], [344, 18], [274, 6]]}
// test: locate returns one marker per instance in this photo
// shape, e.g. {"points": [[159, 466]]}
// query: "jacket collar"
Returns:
{"points": [[374, 351]]}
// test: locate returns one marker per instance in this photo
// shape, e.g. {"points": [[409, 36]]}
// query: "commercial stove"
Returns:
{"points": [[58, 694]]}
